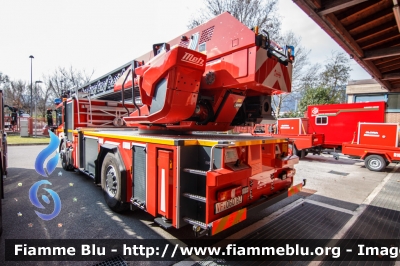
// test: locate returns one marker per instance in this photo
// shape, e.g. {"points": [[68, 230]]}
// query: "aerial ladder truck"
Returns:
{"points": [[145, 131]]}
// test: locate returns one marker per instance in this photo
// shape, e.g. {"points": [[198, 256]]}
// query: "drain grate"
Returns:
{"points": [[338, 173], [210, 261], [115, 261]]}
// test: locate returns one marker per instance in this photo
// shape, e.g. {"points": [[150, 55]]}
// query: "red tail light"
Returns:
{"points": [[228, 194]]}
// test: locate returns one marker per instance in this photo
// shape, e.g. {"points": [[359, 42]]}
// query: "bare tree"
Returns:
{"points": [[3, 78], [301, 60], [324, 85], [16, 94], [261, 13], [66, 79], [45, 99]]}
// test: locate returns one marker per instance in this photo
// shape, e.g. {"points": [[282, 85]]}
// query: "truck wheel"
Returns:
{"points": [[111, 183], [63, 154], [375, 163]]}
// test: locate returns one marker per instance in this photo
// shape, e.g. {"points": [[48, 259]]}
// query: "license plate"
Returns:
{"points": [[224, 205]]}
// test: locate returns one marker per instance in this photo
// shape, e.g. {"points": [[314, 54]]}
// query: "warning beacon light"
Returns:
{"points": [[289, 50]]}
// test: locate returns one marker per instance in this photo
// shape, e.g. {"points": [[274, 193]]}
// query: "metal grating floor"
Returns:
{"points": [[380, 220], [115, 261], [334, 202], [307, 221], [303, 223]]}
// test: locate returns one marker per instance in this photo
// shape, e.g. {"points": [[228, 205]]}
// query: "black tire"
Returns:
{"points": [[375, 163], [296, 151], [64, 162], [293, 149], [111, 183]]}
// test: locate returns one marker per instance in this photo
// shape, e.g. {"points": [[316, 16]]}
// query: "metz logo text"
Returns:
{"points": [[190, 58]]}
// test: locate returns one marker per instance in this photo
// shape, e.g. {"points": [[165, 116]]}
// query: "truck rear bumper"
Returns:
{"points": [[238, 216]]}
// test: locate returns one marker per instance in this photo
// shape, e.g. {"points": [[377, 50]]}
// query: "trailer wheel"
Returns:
{"points": [[292, 150], [111, 183], [296, 151], [375, 163], [299, 153]]}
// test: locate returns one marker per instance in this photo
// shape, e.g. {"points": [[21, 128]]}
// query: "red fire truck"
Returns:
{"points": [[377, 144], [3, 156], [3, 142], [134, 130]]}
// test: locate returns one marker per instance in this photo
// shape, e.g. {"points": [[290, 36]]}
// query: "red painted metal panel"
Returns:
{"points": [[292, 126], [378, 134], [151, 181], [219, 180], [183, 84]]}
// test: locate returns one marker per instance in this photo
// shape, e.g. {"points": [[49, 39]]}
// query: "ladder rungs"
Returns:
{"points": [[195, 197], [195, 171], [195, 222]]}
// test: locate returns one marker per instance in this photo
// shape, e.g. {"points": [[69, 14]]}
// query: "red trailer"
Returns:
{"points": [[377, 144], [325, 127], [293, 129], [338, 122]]}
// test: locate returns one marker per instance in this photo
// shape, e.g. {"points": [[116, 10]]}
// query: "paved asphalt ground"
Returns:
{"points": [[343, 183]]}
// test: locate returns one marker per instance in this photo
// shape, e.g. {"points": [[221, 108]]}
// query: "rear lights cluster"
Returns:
{"points": [[228, 194]]}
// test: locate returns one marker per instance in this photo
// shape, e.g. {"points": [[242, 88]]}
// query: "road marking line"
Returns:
{"points": [[357, 213], [364, 205], [330, 206]]}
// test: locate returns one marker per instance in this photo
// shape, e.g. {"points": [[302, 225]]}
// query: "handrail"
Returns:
{"points": [[123, 92]]}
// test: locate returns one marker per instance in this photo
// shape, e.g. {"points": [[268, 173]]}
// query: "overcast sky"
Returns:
{"points": [[102, 35]]}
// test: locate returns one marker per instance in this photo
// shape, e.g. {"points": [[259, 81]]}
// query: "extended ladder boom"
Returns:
{"points": [[103, 87]]}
